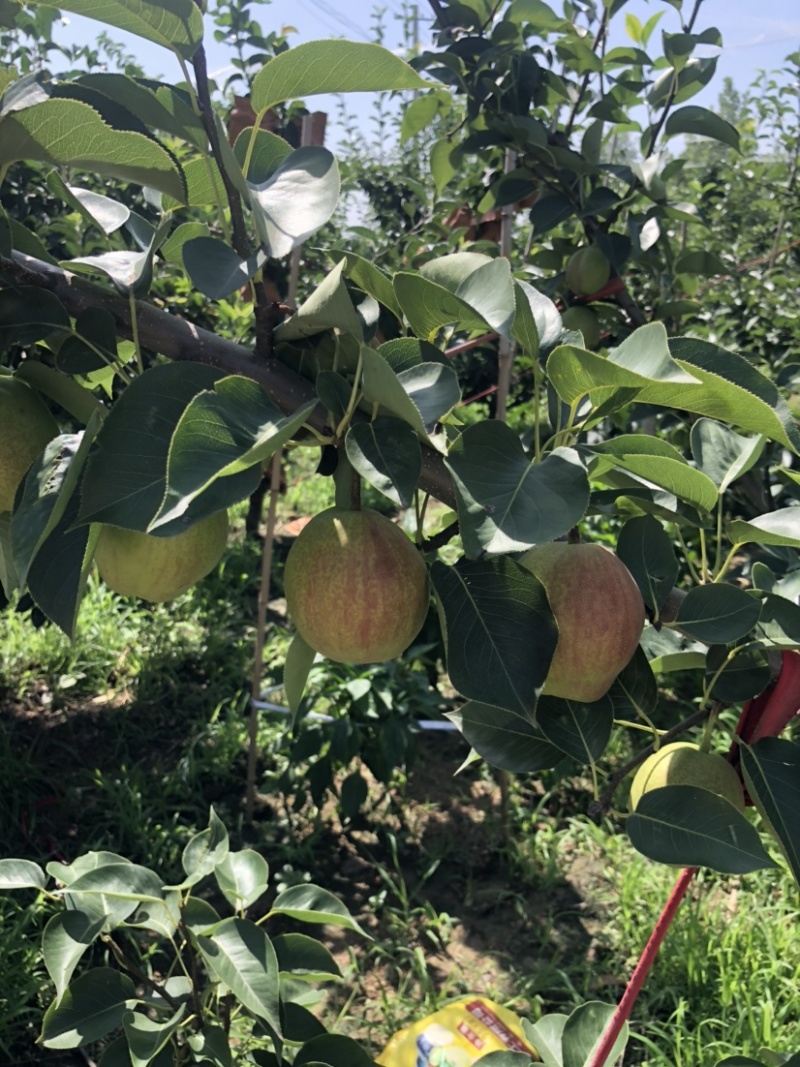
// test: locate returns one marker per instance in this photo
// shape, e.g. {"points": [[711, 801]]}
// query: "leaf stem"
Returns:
{"points": [[724, 568], [135, 331]]}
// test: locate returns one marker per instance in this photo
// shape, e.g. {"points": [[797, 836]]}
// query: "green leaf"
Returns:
{"points": [[211, 1045], [386, 453], [38, 134], [779, 623], [545, 1036], [499, 631], [297, 666], [58, 574], [537, 13], [174, 24], [331, 67], [418, 396], [657, 462], [691, 827], [700, 261], [172, 249], [297, 199], [717, 614], [723, 454], [78, 401], [700, 122], [310, 904], [490, 292], [582, 731], [328, 307], [646, 550], [505, 739], [66, 937], [332, 1050], [126, 474], [268, 153], [46, 491], [242, 876], [418, 115], [21, 874], [241, 955], [741, 677], [96, 209], [126, 883], [304, 957], [504, 1059], [28, 314], [429, 306], [442, 167], [147, 1037], [369, 278], [780, 527], [546, 319], [771, 770], [506, 501], [94, 346], [215, 269], [583, 1032], [634, 693], [230, 428], [199, 917], [204, 851], [92, 1006]]}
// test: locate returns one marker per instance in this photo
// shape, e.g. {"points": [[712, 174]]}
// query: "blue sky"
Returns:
{"points": [[755, 36]]}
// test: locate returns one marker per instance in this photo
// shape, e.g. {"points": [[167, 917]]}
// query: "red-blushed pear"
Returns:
{"points": [[26, 426], [682, 763], [356, 587], [599, 612], [160, 568]]}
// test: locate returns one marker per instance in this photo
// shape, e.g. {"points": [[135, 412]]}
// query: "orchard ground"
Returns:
{"points": [[123, 740]]}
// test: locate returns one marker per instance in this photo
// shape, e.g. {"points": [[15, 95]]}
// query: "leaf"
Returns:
{"points": [[584, 1030], [490, 292], [147, 1037], [58, 574], [737, 678], [781, 527], [21, 874], [507, 502], [505, 739], [646, 550], [634, 692], [38, 134], [241, 955], [121, 881], [297, 199], [418, 396], [531, 304], [299, 661], [46, 491], [691, 827], [28, 314], [504, 1059], [92, 1006], [369, 278], [174, 24], [66, 937], [304, 957], [159, 106], [717, 614], [772, 775], [656, 462], [230, 428], [332, 1050], [204, 851], [700, 122], [545, 1036], [242, 876], [386, 453], [94, 346], [499, 631], [310, 904], [125, 479], [96, 209], [331, 67], [328, 307], [215, 269], [582, 731], [723, 454]]}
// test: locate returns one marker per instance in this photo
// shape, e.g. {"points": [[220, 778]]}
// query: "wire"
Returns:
{"points": [[343, 20]]}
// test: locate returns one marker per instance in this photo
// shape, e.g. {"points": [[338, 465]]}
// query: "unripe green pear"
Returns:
{"points": [[682, 763], [26, 426], [356, 587], [585, 320], [599, 612], [587, 271], [160, 568]]}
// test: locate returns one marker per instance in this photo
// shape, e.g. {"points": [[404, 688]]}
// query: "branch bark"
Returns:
{"points": [[178, 339]]}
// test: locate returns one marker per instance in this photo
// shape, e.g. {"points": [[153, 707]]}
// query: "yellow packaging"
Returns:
{"points": [[456, 1036]]}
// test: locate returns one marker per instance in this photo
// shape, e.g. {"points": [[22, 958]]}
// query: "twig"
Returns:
{"points": [[430, 544], [138, 974]]}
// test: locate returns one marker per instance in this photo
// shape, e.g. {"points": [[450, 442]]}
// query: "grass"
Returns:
{"points": [[124, 738]]}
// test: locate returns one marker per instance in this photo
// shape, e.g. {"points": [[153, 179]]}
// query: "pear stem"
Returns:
{"points": [[348, 484]]}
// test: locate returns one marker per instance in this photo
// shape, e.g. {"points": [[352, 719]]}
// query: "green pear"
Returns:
{"points": [[587, 271], [160, 568], [356, 587], [585, 320], [682, 763], [599, 612], [26, 426]]}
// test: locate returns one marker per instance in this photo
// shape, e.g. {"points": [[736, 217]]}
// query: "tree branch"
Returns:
{"points": [[178, 339]]}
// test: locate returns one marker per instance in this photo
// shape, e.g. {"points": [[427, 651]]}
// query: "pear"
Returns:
{"points": [[682, 763], [26, 426]]}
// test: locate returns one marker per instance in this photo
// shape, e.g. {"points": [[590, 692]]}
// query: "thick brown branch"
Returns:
{"points": [[178, 339]]}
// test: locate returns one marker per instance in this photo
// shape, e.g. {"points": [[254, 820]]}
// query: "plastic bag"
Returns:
{"points": [[456, 1036]]}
